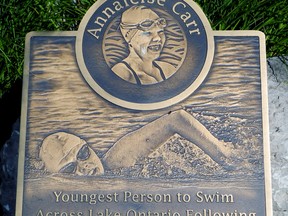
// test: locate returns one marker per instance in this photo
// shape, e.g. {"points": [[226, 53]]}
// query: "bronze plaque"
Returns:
{"points": [[144, 111]]}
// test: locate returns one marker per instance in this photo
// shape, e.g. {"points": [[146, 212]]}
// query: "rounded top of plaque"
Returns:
{"points": [[144, 54]]}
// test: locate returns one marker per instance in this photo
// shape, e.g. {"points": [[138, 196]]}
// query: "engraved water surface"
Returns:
{"points": [[228, 103]]}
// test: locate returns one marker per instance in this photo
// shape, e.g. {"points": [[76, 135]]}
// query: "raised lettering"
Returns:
{"points": [[94, 32], [98, 21], [134, 2], [65, 198], [175, 6], [57, 195], [185, 17], [40, 213], [214, 198], [126, 4], [93, 199], [117, 5], [195, 31], [108, 12], [161, 2], [191, 23]]}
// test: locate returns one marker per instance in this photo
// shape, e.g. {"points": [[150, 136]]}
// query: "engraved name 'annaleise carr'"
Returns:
{"points": [[180, 9]]}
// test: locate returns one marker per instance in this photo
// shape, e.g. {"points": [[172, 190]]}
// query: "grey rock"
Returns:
{"points": [[8, 171], [278, 118]]}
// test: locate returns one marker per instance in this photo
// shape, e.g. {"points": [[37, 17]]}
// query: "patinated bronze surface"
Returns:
{"points": [[144, 111]]}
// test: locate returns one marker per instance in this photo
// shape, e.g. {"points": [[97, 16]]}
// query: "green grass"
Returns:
{"points": [[18, 17], [270, 17]]}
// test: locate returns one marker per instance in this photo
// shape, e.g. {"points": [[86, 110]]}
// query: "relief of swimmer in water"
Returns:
{"points": [[66, 153]]}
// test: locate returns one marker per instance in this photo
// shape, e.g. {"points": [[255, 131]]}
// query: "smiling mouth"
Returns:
{"points": [[155, 48]]}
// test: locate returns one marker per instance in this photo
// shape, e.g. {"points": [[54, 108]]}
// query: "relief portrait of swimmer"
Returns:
{"points": [[144, 32]]}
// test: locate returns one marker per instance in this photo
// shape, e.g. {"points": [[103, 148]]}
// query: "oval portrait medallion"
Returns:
{"points": [[144, 54]]}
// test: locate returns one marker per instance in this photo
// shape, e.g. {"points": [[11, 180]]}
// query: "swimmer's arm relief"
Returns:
{"points": [[140, 143]]}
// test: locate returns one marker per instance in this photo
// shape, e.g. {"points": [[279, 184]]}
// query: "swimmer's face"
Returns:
{"points": [[83, 162], [66, 153], [149, 37]]}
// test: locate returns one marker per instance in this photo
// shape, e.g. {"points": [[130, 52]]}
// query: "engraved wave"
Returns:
{"points": [[228, 104]]}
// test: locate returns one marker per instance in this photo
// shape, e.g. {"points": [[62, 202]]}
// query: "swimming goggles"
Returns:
{"points": [[83, 154], [146, 24]]}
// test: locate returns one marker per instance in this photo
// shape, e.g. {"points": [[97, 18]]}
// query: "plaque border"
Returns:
{"points": [[264, 101]]}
